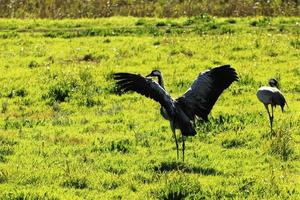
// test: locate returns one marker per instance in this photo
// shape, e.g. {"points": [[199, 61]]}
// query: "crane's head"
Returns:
{"points": [[273, 83], [155, 72]]}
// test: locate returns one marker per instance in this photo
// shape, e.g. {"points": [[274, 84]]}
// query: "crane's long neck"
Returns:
{"points": [[161, 81], [163, 111]]}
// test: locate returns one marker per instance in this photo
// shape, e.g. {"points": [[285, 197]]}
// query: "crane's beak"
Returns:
{"points": [[149, 75]]}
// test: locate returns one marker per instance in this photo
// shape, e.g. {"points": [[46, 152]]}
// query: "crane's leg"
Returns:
{"points": [[270, 117], [176, 141], [183, 147]]}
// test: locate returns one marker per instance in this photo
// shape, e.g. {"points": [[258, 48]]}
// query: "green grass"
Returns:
{"points": [[66, 134]]}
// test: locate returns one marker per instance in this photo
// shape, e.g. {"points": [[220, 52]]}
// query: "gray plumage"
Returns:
{"points": [[196, 102], [271, 95]]}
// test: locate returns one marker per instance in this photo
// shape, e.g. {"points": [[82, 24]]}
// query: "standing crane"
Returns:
{"points": [[182, 112], [271, 95]]}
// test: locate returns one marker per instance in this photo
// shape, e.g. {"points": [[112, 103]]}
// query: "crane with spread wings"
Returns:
{"points": [[182, 112]]}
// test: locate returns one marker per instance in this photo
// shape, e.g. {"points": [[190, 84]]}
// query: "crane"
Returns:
{"points": [[271, 95], [195, 103]]}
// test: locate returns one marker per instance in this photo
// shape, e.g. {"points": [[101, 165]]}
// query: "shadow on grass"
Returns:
{"points": [[179, 166]]}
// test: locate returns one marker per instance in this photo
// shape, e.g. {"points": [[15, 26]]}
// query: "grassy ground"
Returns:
{"points": [[65, 134]]}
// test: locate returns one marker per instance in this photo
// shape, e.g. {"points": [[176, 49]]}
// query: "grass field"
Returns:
{"points": [[65, 134]]}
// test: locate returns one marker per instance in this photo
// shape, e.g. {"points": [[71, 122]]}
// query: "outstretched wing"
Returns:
{"points": [[199, 99], [145, 86]]}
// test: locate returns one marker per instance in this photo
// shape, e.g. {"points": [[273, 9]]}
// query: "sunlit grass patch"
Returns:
{"points": [[282, 144], [179, 187], [27, 195], [182, 167], [74, 182]]}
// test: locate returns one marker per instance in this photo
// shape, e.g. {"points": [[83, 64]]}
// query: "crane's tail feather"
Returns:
{"points": [[188, 130]]}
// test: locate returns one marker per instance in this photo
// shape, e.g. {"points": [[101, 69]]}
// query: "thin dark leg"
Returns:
{"points": [[183, 147], [176, 142], [270, 117]]}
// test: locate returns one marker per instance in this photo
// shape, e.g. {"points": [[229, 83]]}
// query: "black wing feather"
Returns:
{"points": [[200, 98], [145, 86]]}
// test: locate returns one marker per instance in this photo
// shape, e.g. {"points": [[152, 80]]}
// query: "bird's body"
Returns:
{"points": [[197, 101], [271, 95]]}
